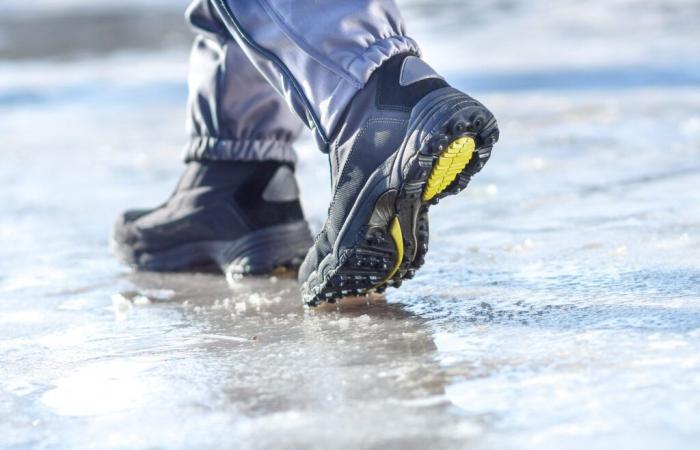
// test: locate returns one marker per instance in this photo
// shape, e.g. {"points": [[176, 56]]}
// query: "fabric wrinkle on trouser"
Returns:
{"points": [[312, 54], [317, 53], [233, 113]]}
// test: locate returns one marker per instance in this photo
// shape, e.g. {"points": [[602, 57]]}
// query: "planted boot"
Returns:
{"points": [[242, 217]]}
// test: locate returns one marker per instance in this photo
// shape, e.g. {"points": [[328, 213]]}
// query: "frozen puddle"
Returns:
{"points": [[274, 373]]}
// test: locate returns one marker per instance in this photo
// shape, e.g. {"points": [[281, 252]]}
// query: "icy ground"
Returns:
{"points": [[559, 306]]}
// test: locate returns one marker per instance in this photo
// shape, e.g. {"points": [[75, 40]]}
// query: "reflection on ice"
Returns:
{"points": [[103, 388]]}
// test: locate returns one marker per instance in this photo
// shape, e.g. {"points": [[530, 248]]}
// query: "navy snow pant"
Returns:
{"points": [[261, 69]]}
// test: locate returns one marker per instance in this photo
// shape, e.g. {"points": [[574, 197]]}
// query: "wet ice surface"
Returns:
{"points": [[558, 307]]}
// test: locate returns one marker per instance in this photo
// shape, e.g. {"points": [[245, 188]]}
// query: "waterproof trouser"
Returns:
{"points": [[259, 66]]}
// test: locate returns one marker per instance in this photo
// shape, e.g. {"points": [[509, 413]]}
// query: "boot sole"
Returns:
{"points": [[258, 252], [395, 240]]}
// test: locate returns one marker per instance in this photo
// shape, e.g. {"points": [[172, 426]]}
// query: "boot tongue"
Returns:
{"points": [[414, 69]]}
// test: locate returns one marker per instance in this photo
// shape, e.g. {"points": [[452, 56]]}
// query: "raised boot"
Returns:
{"points": [[406, 140]]}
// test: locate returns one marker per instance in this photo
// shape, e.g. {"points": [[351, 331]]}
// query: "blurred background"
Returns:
{"points": [[559, 305]]}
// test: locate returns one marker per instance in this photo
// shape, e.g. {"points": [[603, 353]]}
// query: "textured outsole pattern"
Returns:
{"points": [[396, 236]]}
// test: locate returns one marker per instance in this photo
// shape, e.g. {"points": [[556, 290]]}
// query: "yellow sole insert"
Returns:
{"points": [[397, 236], [449, 164]]}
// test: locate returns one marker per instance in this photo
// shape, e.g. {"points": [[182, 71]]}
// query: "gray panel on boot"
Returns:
{"points": [[414, 69], [282, 187]]}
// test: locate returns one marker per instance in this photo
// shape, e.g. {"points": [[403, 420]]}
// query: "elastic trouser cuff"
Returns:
{"points": [[214, 149], [361, 69]]}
